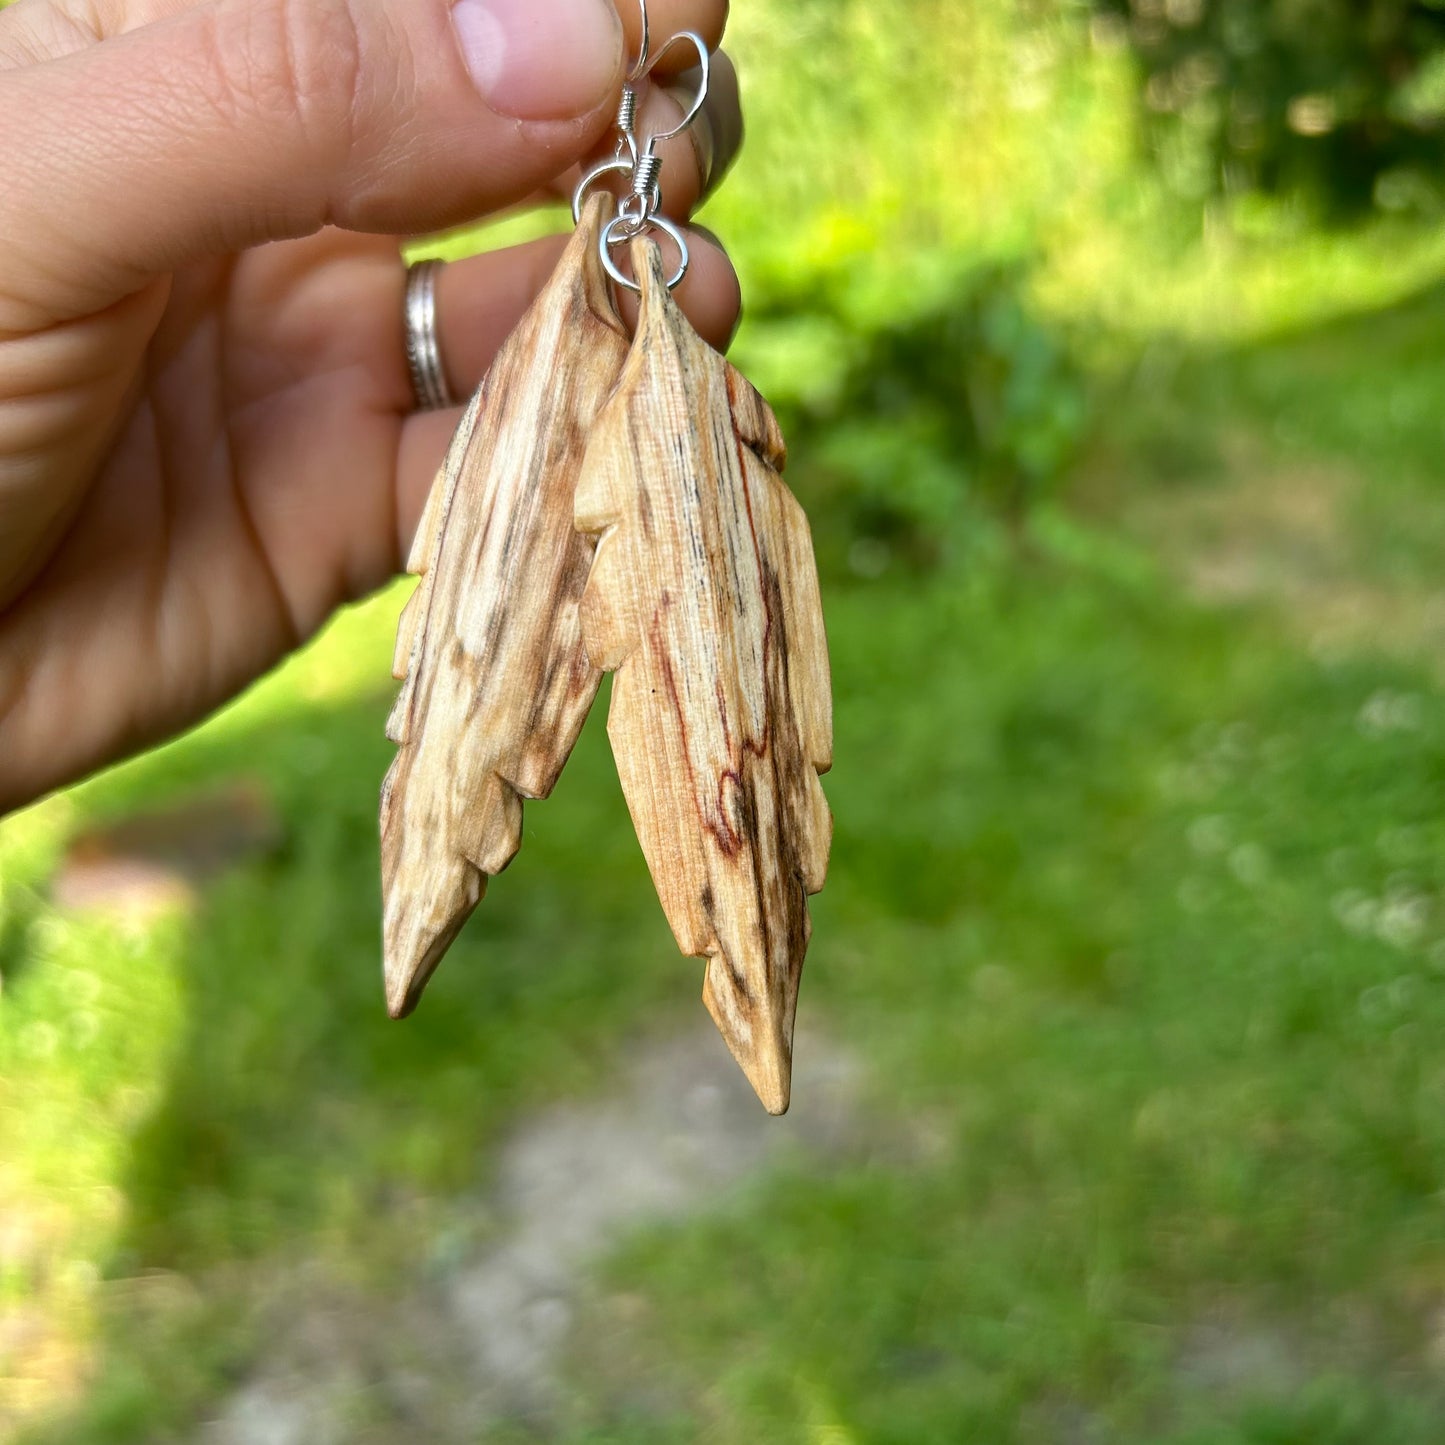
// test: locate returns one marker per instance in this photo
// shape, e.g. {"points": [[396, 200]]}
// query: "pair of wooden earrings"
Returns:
{"points": [[615, 504]]}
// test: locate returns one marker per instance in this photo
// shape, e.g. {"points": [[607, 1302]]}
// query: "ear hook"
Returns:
{"points": [[692, 38], [640, 68], [643, 208]]}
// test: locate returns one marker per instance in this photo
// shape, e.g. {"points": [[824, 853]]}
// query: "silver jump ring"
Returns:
{"points": [[658, 222], [423, 349], [620, 166]]}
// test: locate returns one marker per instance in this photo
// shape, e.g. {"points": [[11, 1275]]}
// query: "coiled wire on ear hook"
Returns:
{"points": [[626, 122], [641, 209], [646, 199], [625, 157]]}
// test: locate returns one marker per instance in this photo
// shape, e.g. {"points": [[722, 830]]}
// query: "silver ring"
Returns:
{"points": [[423, 350], [605, 168], [660, 223]]}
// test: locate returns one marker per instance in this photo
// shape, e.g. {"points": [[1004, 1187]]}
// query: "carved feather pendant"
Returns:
{"points": [[496, 683], [703, 599]]}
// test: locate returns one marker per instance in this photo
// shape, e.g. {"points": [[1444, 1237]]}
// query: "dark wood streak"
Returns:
{"points": [[720, 717]]}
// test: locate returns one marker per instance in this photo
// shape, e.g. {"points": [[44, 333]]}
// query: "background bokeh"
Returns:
{"points": [[1111, 344]]}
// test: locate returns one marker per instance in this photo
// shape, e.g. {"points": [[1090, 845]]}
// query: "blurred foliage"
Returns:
{"points": [[968, 399], [1341, 100], [890, 266]]}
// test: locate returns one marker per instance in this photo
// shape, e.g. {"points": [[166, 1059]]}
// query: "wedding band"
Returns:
{"points": [[423, 350]]}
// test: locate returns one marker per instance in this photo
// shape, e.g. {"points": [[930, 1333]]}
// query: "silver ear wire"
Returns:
{"points": [[640, 68], [641, 207], [646, 200], [691, 37], [626, 121], [621, 165]]}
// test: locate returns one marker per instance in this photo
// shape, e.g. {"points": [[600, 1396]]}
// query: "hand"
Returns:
{"points": [[206, 432]]}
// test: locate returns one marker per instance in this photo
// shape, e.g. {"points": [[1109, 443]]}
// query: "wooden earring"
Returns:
{"points": [[617, 507], [703, 599], [496, 683]]}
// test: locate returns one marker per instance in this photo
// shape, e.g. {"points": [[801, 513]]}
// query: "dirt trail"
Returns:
{"points": [[486, 1342]]}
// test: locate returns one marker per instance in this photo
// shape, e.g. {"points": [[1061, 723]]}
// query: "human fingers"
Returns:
{"points": [[34, 30], [240, 121]]}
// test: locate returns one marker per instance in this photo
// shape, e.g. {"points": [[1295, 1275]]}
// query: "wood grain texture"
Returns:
{"points": [[704, 600], [496, 683]]}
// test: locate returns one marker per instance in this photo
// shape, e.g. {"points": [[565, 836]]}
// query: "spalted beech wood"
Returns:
{"points": [[497, 684], [703, 598]]}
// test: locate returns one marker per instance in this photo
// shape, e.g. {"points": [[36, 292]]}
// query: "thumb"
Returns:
{"points": [[241, 121]]}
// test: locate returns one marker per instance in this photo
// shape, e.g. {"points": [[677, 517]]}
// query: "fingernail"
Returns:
{"points": [[540, 59]]}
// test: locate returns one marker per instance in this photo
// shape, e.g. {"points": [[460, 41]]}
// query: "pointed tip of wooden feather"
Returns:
{"points": [[417, 933], [410, 961], [762, 1044]]}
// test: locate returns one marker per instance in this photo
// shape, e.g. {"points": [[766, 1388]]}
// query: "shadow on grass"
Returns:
{"points": [[285, 1004]]}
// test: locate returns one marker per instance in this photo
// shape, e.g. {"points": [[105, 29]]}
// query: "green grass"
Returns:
{"points": [[1136, 917], [1108, 923]]}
